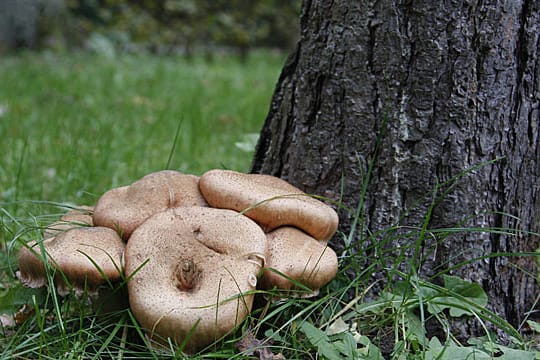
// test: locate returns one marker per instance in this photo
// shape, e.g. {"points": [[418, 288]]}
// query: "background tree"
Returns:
{"points": [[26, 23], [452, 88]]}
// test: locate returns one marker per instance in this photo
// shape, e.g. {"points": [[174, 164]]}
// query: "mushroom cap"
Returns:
{"points": [[70, 252], [300, 257], [193, 267], [275, 202], [76, 217], [126, 207]]}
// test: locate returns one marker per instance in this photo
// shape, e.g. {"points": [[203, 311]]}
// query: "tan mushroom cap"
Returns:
{"points": [[126, 207], [70, 252], [76, 217], [300, 257], [270, 197], [193, 267]]}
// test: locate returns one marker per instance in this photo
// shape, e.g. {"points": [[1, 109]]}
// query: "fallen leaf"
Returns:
{"points": [[338, 326], [7, 321], [24, 313], [250, 345]]}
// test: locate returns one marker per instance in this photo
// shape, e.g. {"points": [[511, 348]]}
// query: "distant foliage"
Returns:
{"points": [[185, 25], [162, 26]]}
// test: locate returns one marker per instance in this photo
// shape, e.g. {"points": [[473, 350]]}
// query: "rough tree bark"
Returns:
{"points": [[452, 85]]}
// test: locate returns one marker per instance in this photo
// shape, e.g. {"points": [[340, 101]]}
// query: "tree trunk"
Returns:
{"points": [[453, 89], [18, 24]]}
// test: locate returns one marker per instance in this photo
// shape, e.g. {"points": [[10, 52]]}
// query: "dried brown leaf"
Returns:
{"points": [[250, 345], [9, 321]]}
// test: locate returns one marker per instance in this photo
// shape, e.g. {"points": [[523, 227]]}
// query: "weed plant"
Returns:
{"points": [[74, 127]]}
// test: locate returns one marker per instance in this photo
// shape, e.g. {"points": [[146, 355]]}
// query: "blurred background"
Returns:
{"points": [[160, 27], [95, 94]]}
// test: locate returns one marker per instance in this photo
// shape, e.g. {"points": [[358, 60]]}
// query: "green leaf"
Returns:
{"points": [[513, 354], [415, 328], [318, 338], [17, 296], [458, 288], [465, 288], [274, 335], [472, 291], [374, 353], [346, 345], [534, 326], [450, 351], [368, 351], [248, 142]]}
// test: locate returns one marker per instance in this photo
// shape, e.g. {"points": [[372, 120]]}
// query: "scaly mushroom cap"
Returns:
{"points": [[76, 217], [300, 257], [126, 207], [193, 267], [275, 202], [81, 254]]}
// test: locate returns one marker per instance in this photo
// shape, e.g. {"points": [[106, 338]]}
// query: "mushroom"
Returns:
{"points": [[76, 217], [300, 257], [126, 207], [86, 257], [270, 201], [192, 271]]}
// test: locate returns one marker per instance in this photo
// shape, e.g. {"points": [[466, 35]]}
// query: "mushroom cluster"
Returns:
{"points": [[194, 249]]}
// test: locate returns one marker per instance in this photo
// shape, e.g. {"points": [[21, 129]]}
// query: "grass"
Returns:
{"points": [[75, 126]]}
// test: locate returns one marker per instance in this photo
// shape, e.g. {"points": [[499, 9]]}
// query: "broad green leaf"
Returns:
{"points": [[415, 328], [466, 289], [437, 351], [427, 295], [248, 142], [513, 354], [399, 349], [13, 298], [534, 326], [369, 351], [469, 290], [318, 338], [346, 346], [274, 335], [472, 292]]}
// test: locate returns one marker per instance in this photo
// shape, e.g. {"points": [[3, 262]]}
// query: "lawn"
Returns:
{"points": [[75, 126]]}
